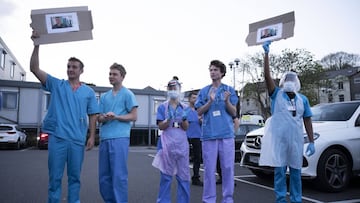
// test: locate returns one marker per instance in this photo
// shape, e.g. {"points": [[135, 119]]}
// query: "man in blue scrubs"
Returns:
{"points": [[72, 105], [217, 103], [118, 108], [194, 134]]}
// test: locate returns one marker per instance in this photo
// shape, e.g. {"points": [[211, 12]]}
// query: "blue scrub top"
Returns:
{"points": [[165, 111], [217, 122], [68, 111], [122, 103], [307, 108], [194, 129]]}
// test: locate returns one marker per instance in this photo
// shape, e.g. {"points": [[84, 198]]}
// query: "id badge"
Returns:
{"points": [[291, 108], [176, 125], [216, 113]]}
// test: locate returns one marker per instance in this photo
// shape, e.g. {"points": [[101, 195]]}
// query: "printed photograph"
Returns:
{"points": [[269, 33], [62, 22]]}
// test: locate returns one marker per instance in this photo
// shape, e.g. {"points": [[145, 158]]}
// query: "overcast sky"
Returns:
{"points": [[158, 39]]}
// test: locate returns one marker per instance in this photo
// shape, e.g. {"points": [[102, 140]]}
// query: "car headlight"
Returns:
{"points": [[306, 138]]}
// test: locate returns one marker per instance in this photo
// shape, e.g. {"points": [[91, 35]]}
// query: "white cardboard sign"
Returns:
{"points": [[273, 29], [57, 25]]}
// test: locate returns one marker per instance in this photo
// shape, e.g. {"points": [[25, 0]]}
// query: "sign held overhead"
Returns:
{"points": [[273, 29], [67, 24]]}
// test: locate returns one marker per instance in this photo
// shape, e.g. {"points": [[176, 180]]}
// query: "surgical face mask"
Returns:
{"points": [[173, 94], [289, 86]]}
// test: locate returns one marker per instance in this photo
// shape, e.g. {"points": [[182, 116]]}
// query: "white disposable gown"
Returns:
{"points": [[173, 158], [283, 140]]}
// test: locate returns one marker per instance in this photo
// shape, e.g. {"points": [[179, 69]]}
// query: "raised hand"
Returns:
{"points": [[266, 46]]}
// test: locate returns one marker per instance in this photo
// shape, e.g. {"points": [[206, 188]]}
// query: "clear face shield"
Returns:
{"points": [[174, 89], [290, 82]]}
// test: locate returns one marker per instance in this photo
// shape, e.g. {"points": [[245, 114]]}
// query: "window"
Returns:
{"points": [[12, 69], [341, 98], [248, 102], [9, 100], [2, 59], [357, 80], [340, 85]]}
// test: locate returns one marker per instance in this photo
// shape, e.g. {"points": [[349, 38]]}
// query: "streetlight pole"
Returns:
{"points": [[234, 65], [231, 64], [237, 63]]}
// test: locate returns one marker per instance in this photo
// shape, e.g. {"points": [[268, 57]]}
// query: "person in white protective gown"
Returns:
{"points": [[172, 158], [283, 142]]}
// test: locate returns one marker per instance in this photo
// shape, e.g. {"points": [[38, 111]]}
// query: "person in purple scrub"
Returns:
{"points": [[217, 103], [172, 158]]}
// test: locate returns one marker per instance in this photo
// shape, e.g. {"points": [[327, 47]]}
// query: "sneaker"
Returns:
{"points": [[197, 182]]}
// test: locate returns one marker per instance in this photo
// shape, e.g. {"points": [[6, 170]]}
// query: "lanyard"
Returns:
{"points": [[174, 113]]}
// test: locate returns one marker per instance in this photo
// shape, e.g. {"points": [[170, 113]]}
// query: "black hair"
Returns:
{"points": [[220, 65], [193, 93]]}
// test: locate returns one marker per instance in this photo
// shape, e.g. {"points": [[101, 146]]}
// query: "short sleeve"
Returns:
{"points": [[160, 115]]}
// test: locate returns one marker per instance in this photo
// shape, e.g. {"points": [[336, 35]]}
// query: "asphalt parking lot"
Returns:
{"points": [[23, 175]]}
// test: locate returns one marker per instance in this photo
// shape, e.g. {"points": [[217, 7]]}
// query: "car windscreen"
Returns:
{"points": [[245, 129], [334, 112]]}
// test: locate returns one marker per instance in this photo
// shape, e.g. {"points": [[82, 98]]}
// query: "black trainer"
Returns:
{"points": [[197, 182]]}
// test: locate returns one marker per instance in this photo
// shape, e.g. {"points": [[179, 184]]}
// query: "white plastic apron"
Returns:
{"points": [[283, 140], [173, 158]]}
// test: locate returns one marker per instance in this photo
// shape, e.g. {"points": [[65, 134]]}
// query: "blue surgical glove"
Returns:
{"points": [[266, 46], [310, 150]]}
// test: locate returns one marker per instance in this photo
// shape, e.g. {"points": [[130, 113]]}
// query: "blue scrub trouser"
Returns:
{"points": [[63, 152], [280, 185], [183, 189], [113, 172]]}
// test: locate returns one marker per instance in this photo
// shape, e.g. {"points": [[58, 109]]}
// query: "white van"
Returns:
{"points": [[253, 119]]}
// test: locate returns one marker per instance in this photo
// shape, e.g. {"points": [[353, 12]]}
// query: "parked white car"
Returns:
{"points": [[337, 147], [12, 135]]}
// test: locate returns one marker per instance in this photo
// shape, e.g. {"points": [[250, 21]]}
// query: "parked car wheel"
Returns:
{"points": [[333, 171], [17, 145]]}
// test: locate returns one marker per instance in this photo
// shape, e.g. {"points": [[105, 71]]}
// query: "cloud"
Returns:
{"points": [[7, 8]]}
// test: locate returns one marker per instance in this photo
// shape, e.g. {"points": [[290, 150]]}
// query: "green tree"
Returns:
{"points": [[299, 60]]}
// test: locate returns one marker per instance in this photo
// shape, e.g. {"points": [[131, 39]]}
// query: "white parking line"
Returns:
{"points": [[238, 178], [270, 188]]}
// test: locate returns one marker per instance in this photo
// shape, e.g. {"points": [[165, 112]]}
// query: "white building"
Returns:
{"points": [[343, 85], [10, 68], [26, 104]]}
